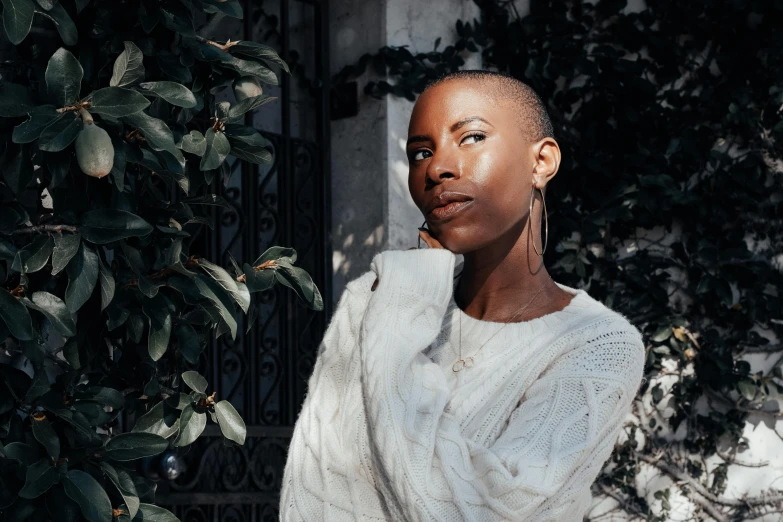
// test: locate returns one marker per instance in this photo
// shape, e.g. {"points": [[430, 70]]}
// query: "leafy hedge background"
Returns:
{"points": [[667, 207], [112, 144]]}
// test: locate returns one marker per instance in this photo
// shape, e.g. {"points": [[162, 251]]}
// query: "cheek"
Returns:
{"points": [[499, 178]]}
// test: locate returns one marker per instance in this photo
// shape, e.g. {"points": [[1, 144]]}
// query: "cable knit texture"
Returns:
{"points": [[388, 431]]}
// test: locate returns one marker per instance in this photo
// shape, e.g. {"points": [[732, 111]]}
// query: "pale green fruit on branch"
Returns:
{"points": [[94, 150], [247, 87]]}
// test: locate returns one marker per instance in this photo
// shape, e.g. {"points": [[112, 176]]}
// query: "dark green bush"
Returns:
{"points": [[112, 143]]}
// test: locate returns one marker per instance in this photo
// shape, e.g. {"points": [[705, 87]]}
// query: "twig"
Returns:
{"points": [[242, 278], [37, 229], [223, 47], [704, 492], [733, 460]]}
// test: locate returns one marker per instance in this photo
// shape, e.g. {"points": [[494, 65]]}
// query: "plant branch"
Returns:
{"points": [[37, 229]]}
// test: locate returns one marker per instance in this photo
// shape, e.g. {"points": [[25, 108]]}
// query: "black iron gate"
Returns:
{"points": [[264, 372]]}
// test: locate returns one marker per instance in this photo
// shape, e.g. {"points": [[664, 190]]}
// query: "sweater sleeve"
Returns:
{"points": [[554, 444]]}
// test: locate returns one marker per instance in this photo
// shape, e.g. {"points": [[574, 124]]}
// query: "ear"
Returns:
{"points": [[546, 161]]}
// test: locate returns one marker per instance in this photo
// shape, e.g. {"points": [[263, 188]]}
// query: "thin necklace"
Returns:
{"points": [[468, 363]]}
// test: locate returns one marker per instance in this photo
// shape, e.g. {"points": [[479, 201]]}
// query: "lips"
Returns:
{"points": [[447, 204]]}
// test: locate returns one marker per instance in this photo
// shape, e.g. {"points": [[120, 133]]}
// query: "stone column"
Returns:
{"points": [[372, 210]]}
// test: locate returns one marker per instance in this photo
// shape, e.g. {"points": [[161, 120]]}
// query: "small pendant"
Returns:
{"points": [[462, 363]]}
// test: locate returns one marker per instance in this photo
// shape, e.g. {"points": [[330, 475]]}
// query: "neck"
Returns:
{"points": [[499, 279]]}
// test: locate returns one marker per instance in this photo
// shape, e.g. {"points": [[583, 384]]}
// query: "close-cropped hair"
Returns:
{"points": [[532, 114]]}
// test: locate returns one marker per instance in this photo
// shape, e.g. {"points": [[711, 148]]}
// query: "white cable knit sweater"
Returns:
{"points": [[388, 431]]}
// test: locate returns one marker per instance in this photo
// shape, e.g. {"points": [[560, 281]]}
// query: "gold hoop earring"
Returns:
{"points": [[546, 220]]}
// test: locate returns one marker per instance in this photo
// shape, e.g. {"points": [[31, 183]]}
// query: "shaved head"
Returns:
{"points": [[531, 111]]}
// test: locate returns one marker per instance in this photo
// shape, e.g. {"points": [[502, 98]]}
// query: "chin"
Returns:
{"points": [[454, 240]]}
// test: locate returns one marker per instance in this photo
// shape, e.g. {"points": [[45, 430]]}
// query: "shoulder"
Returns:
{"points": [[605, 344], [360, 288]]}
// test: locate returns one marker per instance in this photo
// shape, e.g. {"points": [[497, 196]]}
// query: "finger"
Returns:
{"points": [[431, 241]]}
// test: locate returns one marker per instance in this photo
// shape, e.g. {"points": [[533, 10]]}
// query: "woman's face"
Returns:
{"points": [[466, 148]]}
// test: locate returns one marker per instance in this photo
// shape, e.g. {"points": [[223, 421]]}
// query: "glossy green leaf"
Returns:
{"points": [[159, 311], [63, 22], [40, 477], [238, 291], [135, 445], [61, 507], [40, 384], [20, 452], [125, 486], [191, 425], [105, 225], [40, 118], [15, 315], [231, 424], [230, 8], [107, 284], [153, 513], [65, 247], [177, 18], [255, 148], [91, 497], [34, 256], [102, 394], [188, 342], [44, 433], [61, 133], [194, 143], [259, 51], [240, 108], [82, 273], [17, 19], [128, 67], [118, 102], [195, 381], [277, 253], [55, 310], [174, 93], [258, 280], [251, 68], [159, 420], [15, 100], [63, 76], [156, 132], [300, 281], [217, 150], [218, 297], [171, 66]]}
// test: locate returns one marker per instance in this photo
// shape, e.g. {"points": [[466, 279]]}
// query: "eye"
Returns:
{"points": [[418, 155], [475, 136]]}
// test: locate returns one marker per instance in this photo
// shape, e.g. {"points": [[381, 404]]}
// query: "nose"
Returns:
{"points": [[442, 165]]}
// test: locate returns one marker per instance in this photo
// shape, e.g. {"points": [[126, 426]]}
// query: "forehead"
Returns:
{"points": [[453, 100]]}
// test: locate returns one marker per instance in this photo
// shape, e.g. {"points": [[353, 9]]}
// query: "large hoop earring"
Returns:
{"points": [[546, 220], [421, 228]]}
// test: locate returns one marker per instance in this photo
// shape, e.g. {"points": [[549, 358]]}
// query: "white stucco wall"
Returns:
{"points": [[372, 209]]}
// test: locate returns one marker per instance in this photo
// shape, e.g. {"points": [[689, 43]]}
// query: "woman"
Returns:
{"points": [[495, 395]]}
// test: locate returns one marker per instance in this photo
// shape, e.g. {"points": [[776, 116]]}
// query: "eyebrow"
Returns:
{"points": [[461, 123], [455, 127]]}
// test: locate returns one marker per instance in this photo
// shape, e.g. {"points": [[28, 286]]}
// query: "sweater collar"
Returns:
{"points": [[558, 320]]}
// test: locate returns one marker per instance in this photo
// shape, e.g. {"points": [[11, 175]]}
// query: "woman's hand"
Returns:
{"points": [[427, 238]]}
